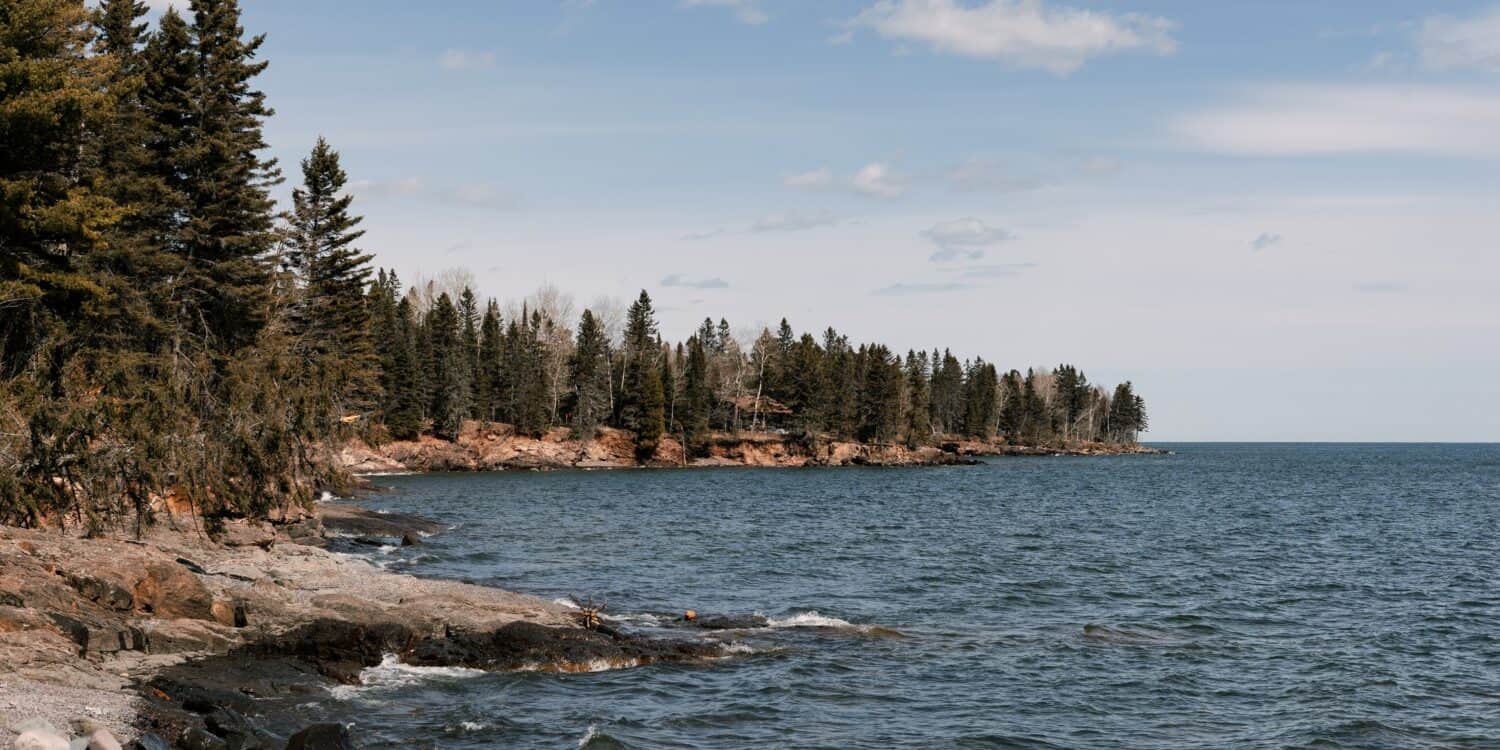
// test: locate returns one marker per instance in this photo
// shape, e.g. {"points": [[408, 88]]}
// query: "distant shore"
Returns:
{"points": [[494, 446]]}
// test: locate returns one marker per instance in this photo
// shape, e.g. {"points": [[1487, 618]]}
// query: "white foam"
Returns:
{"points": [[589, 736], [565, 602], [391, 673], [809, 619], [645, 618]]}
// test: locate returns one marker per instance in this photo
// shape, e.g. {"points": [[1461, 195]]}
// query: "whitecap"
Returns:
{"points": [[391, 672], [809, 619]]}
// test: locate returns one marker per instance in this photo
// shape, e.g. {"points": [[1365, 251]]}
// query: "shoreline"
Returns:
{"points": [[494, 446], [176, 635]]}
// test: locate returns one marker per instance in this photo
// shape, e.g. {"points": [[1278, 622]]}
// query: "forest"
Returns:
{"points": [[167, 329]]}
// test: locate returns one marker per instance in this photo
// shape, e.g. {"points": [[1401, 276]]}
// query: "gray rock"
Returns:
{"points": [[34, 724], [322, 737], [194, 738], [79, 743], [38, 739], [101, 739], [148, 741]]}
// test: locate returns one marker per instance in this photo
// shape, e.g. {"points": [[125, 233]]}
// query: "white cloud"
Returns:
{"points": [[905, 288], [1018, 33], [458, 59], [1310, 120], [745, 11], [1265, 240], [964, 238], [875, 179], [878, 180], [678, 280], [1445, 42], [793, 221], [376, 189], [818, 178]]}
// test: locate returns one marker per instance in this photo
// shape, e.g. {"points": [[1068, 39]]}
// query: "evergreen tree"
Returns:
{"points": [[695, 398], [448, 370], [880, 396], [589, 377], [918, 406], [641, 367], [531, 415], [227, 235], [981, 401], [405, 394], [333, 325], [488, 375]]}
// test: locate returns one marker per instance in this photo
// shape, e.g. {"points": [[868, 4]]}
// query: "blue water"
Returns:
{"points": [[1228, 596]]}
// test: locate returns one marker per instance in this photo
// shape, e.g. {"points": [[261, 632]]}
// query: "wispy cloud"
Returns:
{"points": [[747, 12], [678, 280], [793, 221], [995, 270], [964, 238], [1312, 120], [482, 195], [380, 189], [1018, 33], [876, 180], [1446, 42], [1264, 241], [458, 59], [904, 288]]}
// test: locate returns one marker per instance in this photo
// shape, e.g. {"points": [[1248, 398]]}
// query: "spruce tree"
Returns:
{"points": [[333, 316], [695, 398], [228, 233], [448, 370], [491, 346], [918, 408], [403, 416], [589, 378]]}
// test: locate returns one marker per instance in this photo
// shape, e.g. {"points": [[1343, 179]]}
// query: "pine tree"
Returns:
{"points": [[448, 370], [491, 346], [981, 404], [531, 416], [695, 398], [880, 396], [589, 378], [918, 406], [641, 366], [405, 394], [333, 325], [228, 233]]}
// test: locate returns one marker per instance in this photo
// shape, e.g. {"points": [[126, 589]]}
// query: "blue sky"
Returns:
{"points": [[1278, 218]]}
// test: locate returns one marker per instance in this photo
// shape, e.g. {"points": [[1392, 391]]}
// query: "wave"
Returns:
{"points": [[597, 739], [814, 619], [391, 672]]}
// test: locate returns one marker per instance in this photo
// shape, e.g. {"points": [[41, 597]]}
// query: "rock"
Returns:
{"points": [[230, 613], [237, 731], [322, 737], [172, 591], [104, 592], [97, 636], [101, 739], [34, 725], [148, 741], [79, 743], [410, 540], [194, 738], [40, 739]]}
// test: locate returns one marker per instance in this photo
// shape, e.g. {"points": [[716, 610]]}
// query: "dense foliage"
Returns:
{"points": [[166, 334]]}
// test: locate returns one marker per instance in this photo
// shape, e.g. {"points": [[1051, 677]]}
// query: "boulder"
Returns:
{"points": [[148, 741], [410, 540], [101, 739], [40, 739], [194, 738], [322, 737], [172, 591]]}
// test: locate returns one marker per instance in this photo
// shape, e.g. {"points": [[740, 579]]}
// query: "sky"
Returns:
{"points": [[1277, 218]]}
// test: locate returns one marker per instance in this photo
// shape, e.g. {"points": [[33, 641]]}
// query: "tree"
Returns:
{"points": [[332, 325], [880, 395], [918, 408], [488, 376], [588, 377], [448, 370], [695, 398], [981, 400], [227, 235], [640, 369]]}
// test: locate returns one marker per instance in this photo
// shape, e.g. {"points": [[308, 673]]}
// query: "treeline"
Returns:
{"points": [[166, 330], [445, 359]]}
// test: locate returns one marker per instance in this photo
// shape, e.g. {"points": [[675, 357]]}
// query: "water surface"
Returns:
{"points": [[1228, 596]]}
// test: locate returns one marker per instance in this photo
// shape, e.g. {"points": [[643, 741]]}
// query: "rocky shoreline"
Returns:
{"points": [[493, 446], [173, 639]]}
